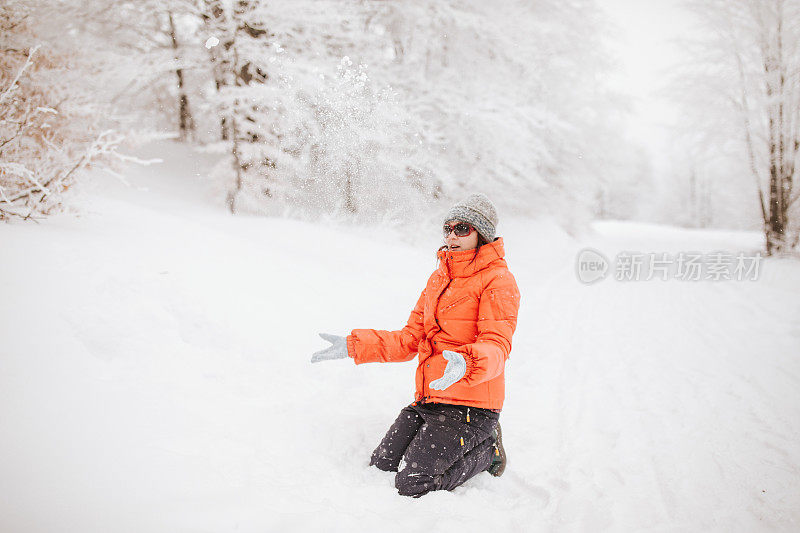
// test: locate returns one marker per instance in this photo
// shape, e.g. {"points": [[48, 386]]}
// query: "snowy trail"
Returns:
{"points": [[154, 376], [677, 403]]}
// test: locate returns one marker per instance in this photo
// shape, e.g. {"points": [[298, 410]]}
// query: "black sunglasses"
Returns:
{"points": [[462, 229]]}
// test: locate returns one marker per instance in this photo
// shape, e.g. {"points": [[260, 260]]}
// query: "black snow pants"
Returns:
{"points": [[431, 446]]}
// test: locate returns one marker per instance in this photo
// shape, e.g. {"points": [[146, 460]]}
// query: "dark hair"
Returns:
{"points": [[481, 242]]}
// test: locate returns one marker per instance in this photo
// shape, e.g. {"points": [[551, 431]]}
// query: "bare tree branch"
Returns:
{"points": [[22, 69]]}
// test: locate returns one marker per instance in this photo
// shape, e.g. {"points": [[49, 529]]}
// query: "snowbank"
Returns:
{"points": [[155, 376]]}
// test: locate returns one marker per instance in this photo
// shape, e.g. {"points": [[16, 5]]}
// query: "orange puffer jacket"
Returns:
{"points": [[468, 307]]}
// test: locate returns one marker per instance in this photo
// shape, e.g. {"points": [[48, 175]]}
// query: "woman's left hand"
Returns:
{"points": [[455, 370]]}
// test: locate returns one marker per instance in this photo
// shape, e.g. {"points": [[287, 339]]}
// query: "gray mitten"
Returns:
{"points": [[337, 350], [455, 370]]}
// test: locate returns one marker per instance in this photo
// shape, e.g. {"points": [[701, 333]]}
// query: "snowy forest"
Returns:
{"points": [[378, 110], [212, 212]]}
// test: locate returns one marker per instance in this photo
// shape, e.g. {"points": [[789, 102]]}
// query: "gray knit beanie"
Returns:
{"points": [[477, 210]]}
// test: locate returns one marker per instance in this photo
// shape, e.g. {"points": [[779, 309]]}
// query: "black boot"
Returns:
{"points": [[499, 459]]}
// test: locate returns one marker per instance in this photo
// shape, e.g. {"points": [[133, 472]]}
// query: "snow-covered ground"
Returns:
{"points": [[155, 376]]}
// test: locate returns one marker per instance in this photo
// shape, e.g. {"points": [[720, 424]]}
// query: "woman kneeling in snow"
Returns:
{"points": [[461, 330]]}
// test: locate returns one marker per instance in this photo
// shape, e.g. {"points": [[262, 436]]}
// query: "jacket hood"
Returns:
{"points": [[459, 264]]}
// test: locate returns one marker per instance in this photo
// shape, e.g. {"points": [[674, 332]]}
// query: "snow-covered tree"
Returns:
{"points": [[49, 130], [308, 130], [364, 108], [147, 55], [746, 96], [507, 96], [505, 99]]}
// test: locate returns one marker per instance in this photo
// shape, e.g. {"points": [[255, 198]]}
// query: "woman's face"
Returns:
{"points": [[454, 242]]}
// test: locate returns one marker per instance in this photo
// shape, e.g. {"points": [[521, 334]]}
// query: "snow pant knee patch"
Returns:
{"points": [[392, 447]]}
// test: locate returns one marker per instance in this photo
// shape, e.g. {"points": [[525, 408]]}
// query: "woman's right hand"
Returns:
{"points": [[337, 349]]}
